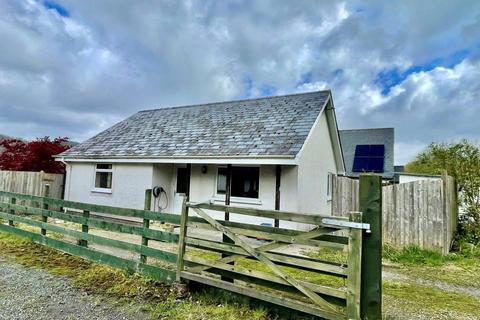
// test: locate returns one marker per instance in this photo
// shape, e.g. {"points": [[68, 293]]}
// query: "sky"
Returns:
{"points": [[74, 68]]}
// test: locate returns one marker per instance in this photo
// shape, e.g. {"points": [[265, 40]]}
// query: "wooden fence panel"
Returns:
{"points": [[32, 183], [423, 213]]}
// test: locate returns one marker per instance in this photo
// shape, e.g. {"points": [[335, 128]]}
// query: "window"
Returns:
{"points": [[369, 158], [329, 186], [182, 180], [244, 182], [103, 176]]}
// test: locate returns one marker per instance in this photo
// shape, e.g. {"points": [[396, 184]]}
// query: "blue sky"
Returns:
{"points": [[57, 8], [392, 77], [74, 68]]}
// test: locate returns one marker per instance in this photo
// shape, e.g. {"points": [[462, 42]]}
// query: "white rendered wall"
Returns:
{"points": [[163, 176], [315, 162], [129, 182]]}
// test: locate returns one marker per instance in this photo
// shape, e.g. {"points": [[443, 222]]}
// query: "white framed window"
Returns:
{"points": [[330, 186], [103, 177]]}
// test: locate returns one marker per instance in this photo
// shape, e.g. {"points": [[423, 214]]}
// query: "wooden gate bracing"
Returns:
{"points": [[265, 270]]}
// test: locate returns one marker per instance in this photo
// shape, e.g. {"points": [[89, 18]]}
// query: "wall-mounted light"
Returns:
{"points": [[204, 169]]}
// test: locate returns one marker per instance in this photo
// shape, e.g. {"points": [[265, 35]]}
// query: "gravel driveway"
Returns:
{"points": [[29, 293]]}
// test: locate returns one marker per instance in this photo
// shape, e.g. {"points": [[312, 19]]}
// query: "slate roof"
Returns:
{"points": [[273, 126], [351, 138]]}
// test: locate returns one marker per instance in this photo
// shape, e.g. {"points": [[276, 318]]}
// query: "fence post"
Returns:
{"points": [[370, 194], [12, 211], [146, 222], [181, 239], [83, 242], [46, 193], [354, 268]]}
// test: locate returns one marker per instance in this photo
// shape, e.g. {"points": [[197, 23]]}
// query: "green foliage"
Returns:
{"points": [[462, 161]]}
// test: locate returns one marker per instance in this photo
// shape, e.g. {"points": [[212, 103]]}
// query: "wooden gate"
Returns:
{"points": [[268, 270]]}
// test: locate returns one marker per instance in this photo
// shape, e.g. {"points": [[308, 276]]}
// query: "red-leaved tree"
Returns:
{"points": [[37, 155]]}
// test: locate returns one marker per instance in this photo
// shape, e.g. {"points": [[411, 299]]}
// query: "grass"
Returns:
{"points": [[139, 293], [328, 254], [142, 294], [406, 299], [437, 297], [309, 276], [455, 268], [413, 255]]}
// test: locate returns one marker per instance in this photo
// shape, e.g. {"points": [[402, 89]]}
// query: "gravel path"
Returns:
{"points": [[29, 293]]}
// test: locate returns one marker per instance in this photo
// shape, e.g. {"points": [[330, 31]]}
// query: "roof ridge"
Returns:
{"points": [[236, 101]]}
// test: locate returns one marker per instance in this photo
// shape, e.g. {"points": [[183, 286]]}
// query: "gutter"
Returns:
{"points": [[257, 160]]}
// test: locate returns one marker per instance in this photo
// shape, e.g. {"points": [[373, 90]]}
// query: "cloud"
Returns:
{"points": [[74, 67]]}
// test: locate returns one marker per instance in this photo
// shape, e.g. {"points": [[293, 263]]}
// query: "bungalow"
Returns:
{"points": [[275, 153]]}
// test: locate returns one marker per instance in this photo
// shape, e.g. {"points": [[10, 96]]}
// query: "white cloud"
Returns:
{"points": [[77, 75]]}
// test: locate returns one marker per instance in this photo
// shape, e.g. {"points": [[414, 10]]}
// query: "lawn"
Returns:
{"points": [[140, 293]]}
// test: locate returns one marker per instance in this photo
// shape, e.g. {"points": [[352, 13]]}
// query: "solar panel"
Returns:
{"points": [[362, 150], [360, 164], [369, 158], [377, 150], [375, 164]]}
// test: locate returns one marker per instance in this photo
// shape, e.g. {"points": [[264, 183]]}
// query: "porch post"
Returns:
{"points": [[189, 175], [228, 192], [278, 178]]}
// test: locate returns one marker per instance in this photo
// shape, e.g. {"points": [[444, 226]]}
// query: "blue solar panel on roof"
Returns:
{"points": [[360, 164], [375, 164], [362, 150], [369, 158], [377, 150]]}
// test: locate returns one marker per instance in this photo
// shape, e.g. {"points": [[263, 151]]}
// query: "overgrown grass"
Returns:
{"points": [[455, 268], [304, 275], [327, 254], [423, 300], [139, 292], [413, 255]]}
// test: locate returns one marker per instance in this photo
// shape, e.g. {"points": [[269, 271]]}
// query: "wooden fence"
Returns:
{"points": [[422, 213], [33, 183], [262, 269]]}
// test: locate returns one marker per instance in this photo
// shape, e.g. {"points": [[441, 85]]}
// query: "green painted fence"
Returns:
{"points": [[268, 270]]}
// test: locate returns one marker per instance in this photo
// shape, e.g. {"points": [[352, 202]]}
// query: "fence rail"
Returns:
{"points": [[255, 261]]}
